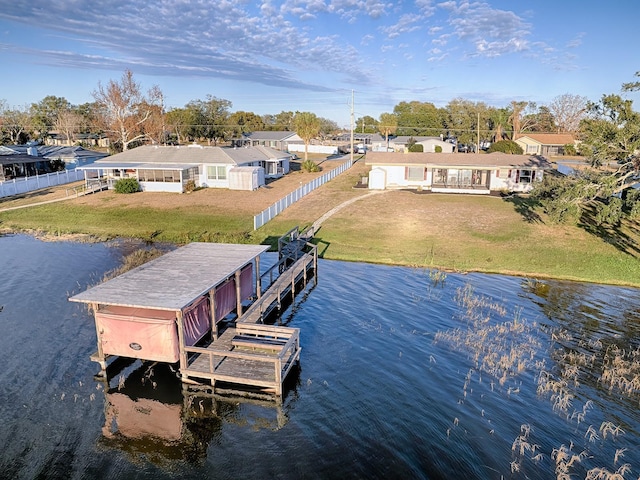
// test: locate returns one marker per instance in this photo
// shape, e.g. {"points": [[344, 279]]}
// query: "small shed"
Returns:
{"points": [[155, 311], [246, 178], [377, 179]]}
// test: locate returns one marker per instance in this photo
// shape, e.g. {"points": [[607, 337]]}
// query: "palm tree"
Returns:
{"points": [[307, 126], [388, 125]]}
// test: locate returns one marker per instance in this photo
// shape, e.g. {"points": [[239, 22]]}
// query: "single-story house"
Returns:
{"points": [[168, 168], [275, 139], [91, 139], [476, 173], [29, 160], [545, 143], [401, 144]]}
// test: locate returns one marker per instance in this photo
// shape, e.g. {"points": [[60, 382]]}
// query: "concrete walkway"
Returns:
{"points": [[37, 203], [318, 222]]}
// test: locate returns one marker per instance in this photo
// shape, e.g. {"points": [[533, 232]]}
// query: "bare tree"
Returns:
{"points": [[69, 123], [127, 110], [568, 110], [15, 125]]}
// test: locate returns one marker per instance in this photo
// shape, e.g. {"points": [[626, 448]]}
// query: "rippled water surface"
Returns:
{"points": [[403, 374]]}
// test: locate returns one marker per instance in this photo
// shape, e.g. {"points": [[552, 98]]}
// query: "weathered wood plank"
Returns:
{"points": [[174, 280]]}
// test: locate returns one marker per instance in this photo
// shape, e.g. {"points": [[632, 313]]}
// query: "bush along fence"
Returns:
{"points": [[268, 213], [28, 184]]}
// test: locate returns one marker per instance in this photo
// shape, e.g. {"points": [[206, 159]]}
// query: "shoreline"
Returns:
{"points": [[87, 238]]}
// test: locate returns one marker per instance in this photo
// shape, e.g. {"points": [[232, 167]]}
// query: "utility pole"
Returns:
{"points": [[478, 145], [352, 96]]}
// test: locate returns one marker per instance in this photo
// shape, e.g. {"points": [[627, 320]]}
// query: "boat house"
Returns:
{"points": [[170, 309]]}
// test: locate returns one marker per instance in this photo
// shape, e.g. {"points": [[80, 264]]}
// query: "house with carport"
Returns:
{"points": [[473, 173], [168, 168], [545, 143]]}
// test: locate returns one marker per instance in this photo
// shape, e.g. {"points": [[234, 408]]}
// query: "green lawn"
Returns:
{"points": [[452, 232]]}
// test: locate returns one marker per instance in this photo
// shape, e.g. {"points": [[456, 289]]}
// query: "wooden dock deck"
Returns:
{"points": [[251, 353]]}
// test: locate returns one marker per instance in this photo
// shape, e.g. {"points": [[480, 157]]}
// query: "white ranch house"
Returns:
{"points": [[474, 173], [168, 168]]}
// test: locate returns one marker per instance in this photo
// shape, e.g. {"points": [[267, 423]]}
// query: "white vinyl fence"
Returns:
{"points": [[28, 184], [267, 214]]}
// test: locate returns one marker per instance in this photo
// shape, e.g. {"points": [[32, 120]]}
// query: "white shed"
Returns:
{"points": [[246, 178], [377, 179]]}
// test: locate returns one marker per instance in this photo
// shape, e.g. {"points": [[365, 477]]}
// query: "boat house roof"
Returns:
{"points": [[174, 280]]}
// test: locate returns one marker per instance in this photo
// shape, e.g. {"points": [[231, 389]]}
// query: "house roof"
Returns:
{"points": [[256, 153], [185, 156], [549, 138], [372, 137], [435, 160], [404, 139], [51, 152], [270, 135], [106, 164], [20, 158]]}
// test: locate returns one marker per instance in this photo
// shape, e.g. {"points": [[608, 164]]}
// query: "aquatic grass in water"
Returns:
{"points": [[478, 376], [505, 349]]}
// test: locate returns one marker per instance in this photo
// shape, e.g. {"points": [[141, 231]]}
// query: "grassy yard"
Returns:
{"points": [[452, 232]]}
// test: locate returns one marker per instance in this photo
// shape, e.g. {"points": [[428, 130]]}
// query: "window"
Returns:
{"points": [[524, 176], [216, 172], [159, 175], [415, 174], [440, 176]]}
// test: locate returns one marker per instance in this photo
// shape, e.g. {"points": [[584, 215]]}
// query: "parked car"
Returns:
{"points": [[464, 148]]}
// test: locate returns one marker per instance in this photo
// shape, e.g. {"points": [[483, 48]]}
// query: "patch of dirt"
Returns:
{"points": [[242, 202]]}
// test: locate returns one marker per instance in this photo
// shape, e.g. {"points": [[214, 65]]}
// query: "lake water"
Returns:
{"points": [[402, 375]]}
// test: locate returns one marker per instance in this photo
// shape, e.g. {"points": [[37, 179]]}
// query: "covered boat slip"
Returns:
{"points": [[163, 309]]}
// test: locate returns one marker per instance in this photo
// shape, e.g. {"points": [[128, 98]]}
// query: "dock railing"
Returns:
{"points": [[282, 360], [278, 269]]}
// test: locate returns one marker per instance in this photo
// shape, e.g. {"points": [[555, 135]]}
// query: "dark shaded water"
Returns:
{"points": [[401, 377]]}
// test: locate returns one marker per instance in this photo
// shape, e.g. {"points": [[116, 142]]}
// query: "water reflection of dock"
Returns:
{"points": [[174, 310], [148, 415]]}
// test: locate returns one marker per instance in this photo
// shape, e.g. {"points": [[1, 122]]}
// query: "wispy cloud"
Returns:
{"points": [[227, 39], [491, 32], [406, 23]]}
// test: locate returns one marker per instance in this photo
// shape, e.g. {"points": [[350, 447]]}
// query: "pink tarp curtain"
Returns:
{"points": [[246, 282], [225, 296], [197, 321], [138, 333]]}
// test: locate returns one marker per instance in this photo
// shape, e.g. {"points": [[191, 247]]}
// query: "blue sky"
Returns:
{"points": [[309, 55]]}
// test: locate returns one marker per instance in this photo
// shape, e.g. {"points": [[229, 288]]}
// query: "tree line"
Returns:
{"points": [[129, 116]]}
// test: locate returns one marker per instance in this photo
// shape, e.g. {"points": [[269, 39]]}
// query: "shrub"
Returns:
{"points": [[189, 186], [570, 149], [506, 146], [127, 185], [416, 147], [309, 166], [438, 149], [57, 165]]}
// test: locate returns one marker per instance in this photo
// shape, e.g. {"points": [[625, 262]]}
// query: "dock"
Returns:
{"points": [[252, 353], [177, 309]]}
